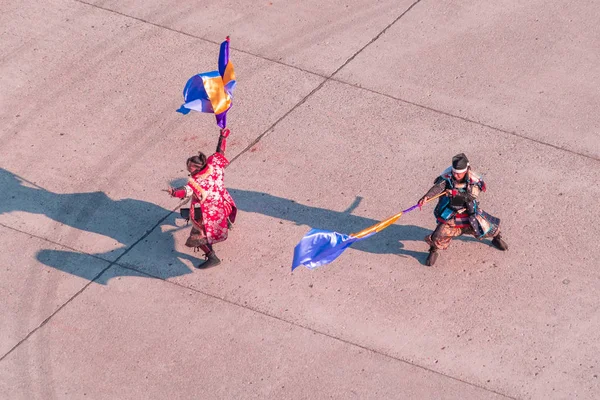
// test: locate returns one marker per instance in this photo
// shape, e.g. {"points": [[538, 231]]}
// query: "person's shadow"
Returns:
{"points": [[97, 213]]}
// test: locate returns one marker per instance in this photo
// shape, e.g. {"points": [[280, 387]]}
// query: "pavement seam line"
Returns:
{"points": [[471, 121], [259, 138], [115, 262], [330, 336], [157, 25], [448, 114], [303, 100], [327, 79], [53, 314], [375, 38], [54, 243]]}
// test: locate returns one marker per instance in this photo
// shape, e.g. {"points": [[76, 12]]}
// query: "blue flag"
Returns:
{"points": [[319, 247]]}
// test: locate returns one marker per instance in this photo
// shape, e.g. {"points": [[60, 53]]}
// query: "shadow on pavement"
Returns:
{"points": [[97, 213], [388, 241]]}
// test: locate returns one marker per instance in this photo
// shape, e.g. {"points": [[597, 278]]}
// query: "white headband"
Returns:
{"points": [[460, 171]]}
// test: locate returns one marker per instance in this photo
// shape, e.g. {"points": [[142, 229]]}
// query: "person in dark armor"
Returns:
{"points": [[458, 212]]}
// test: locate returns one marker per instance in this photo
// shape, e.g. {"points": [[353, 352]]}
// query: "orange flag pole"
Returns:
{"points": [[384, 224]]}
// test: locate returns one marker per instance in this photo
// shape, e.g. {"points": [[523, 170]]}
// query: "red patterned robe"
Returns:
{"points": [[209, 196]]}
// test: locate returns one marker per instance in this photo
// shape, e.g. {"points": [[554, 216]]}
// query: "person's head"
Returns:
{"points": [[460, 166], [195, 164]]}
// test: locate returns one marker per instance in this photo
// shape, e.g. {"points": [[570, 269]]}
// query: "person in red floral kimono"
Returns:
{"points": [[212, 209]]}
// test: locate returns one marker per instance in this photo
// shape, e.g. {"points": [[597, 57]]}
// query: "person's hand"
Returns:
{"points": [[169, 190], [422, 201], [225, 132]]}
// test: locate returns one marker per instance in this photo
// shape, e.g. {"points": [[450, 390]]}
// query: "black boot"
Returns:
{"points": [[498, 243], [211, 261], [433, 255]]}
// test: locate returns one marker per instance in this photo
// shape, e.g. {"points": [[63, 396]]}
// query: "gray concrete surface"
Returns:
{"points": [[182, 343], [32, 290], [90, 135], [527, 67]]}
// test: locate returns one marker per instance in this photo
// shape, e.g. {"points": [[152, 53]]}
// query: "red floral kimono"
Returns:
{"points": [[211, 198]]}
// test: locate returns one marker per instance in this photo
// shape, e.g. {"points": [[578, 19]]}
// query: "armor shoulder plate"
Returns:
{"points": [[444, 176], [476, 179]]}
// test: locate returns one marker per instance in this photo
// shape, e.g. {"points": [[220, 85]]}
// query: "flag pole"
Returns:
{"points": [[378, 227]]}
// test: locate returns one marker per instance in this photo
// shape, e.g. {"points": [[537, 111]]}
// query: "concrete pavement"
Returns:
{"points": [[344, 113]]}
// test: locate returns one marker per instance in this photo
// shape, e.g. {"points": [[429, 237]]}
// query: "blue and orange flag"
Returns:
{"points": [[319, 247], [212, 92]]}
